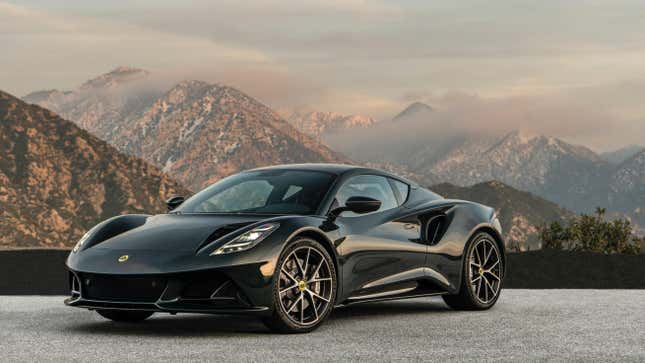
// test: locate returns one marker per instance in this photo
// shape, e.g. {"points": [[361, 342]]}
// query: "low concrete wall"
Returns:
{"points": [[549, 269], [33, 272], [42, 272]]}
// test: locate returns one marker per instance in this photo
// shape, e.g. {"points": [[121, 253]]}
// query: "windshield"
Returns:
{"points": [[263, 192]]}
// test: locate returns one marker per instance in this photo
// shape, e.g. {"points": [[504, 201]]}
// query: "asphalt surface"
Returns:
{"points": [[578, 325]]}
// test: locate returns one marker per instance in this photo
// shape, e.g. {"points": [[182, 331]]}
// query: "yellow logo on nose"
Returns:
{"points": [[123, 258], [302, 286]]}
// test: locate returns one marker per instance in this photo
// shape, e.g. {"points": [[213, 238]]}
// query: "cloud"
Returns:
{"points": [[41, 50], [570, 62], [455, 114]]}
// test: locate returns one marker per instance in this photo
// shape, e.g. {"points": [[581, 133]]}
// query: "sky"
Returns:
{"points": [[572, 69]]}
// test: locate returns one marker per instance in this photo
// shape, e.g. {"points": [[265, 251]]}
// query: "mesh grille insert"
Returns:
{"points": [[139, 289]]}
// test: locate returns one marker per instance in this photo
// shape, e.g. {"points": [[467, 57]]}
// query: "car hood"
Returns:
{"points": [[178, 232]]}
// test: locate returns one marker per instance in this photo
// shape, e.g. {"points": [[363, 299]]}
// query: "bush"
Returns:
{"points": [[592, 233]]}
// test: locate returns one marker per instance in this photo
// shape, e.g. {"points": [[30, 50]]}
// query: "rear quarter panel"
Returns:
{"points": [[464, 220]]}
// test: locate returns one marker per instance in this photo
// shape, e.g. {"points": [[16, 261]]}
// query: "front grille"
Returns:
{"points": [[106, 287]]}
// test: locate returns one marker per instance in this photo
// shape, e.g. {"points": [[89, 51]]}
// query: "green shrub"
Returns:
{"points": [[592, 233]]}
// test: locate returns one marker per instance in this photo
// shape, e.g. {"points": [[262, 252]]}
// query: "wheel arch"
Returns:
{"points": [[113, 227], [497, 237], [320, 237]]}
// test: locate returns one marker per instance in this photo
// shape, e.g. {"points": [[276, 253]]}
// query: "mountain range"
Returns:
{"points": [[321, 124], [572, 176], [620, 155], [57, 180], [414, 110], [196, 132], [521, 214]]}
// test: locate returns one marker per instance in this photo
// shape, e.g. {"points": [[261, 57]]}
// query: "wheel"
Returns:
{"points": [[304, 288], [125, 316], [482, 276]]}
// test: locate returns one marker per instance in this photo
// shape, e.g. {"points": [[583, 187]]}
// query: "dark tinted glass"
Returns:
{"points": [[402, 188], [263, 192], [372, 186]]}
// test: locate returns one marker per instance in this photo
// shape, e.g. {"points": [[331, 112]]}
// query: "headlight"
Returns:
{"points": [[80, 242], [247, 239]]}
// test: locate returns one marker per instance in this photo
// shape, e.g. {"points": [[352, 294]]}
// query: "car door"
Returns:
{"points": [[381, 249]]}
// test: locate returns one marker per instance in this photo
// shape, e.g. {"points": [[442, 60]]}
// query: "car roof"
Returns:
{"points": [[325, 167], [337, 169]]}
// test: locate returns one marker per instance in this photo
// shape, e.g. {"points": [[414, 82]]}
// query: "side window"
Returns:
{"points": [[402, 188], [372, 186]]}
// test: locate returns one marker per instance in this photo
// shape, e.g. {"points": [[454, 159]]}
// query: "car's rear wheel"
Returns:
{"points": [[304, 288], [482, 275], [125, 316]]}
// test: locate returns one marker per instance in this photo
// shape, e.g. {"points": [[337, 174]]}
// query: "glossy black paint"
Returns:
{"points": [[174, 202], [414, 249], [358, 205]]}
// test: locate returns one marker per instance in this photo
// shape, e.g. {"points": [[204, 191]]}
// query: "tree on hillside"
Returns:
{"points": [[592, 233]]}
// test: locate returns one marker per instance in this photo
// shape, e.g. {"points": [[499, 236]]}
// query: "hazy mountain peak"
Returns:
{"points": [[199, 132], [543, 143], [413, 110], [316, 123], [115, 77], [189, 89], [524, 137], [620, 155], [123, 70], [196, 131], [37, 96], [192, 84]]}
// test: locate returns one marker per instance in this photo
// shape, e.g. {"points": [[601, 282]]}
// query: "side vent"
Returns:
{"points": [[436, 228]]}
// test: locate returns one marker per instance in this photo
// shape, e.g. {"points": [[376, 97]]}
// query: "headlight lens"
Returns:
{"points": [[80, 242], [247, 239]]}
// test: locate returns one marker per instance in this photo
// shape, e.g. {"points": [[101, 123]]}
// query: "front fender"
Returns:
{"points": [[112, 227]]}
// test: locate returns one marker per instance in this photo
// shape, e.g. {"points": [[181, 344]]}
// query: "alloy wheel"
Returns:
{"points": [[485, 269], [305, 286]]}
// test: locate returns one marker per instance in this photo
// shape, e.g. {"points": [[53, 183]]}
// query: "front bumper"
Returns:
{"points": [[210, 291]]}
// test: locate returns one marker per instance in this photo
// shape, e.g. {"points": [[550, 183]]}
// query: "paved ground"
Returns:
{"points": [[582, 325]]}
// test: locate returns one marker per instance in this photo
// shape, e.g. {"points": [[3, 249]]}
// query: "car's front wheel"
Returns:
{"points": [[125, 316], [482, 275], [304, 288]]}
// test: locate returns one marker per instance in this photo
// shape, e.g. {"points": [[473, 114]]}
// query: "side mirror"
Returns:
{"points": [[174, 202], [358, 205], [361, 205]]}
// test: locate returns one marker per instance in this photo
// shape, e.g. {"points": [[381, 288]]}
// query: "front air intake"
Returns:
{"points": [[201, 286], [74, 285], [122, 288]]}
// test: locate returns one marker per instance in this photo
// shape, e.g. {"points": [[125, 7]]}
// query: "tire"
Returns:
{"points": [[125, 316], [481, 284], [302, 301]]}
